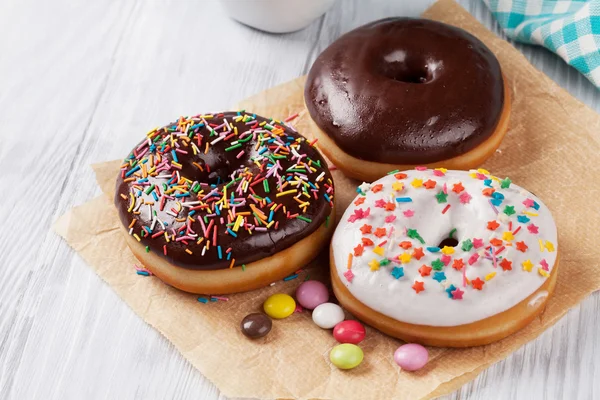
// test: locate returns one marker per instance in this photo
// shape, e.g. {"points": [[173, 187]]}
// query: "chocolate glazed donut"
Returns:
{"points": [[406, 92], [216, 192]]}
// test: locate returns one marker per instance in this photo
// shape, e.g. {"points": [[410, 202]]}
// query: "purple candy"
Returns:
{"points": [[310, 294], [411, 357]]}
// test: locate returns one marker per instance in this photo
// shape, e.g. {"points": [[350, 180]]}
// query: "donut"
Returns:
{"points": [[224, 203], [444, 257], [401, 92]]}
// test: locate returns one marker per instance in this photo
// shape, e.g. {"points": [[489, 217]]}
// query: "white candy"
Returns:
{"points": [[328, 315]]}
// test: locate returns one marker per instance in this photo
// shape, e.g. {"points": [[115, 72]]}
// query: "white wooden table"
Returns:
{"points": [[79, 82]]}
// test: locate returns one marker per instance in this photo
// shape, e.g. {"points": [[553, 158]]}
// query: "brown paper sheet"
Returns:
{"points": [[548, 150]]}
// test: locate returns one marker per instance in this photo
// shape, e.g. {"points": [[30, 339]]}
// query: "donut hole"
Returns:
{"points": [[411, 75], [449, 241], [407, 71]]}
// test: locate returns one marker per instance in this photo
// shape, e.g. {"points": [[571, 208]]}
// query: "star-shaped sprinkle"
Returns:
{"points": [[397, 186], [384, 262], [358, 250], [450, 289], [366, 228], [528, 202], [483, 172], [376, 188], [496, 242], [389, 206], [543, 272], [498, 195], [429, 184], [477, 283], [477, 243], [359, 213], [506, 265], [508, 236], [473, 259], [374, 264], [448, 250], [458, 187], [437, 265], [397, 272], [532, 228], [400, 175], [359, 201], [467, 245], [420, 168], [439, 276], [487, 182], [457, 294], [441, 197], [523, 219], [367, 242], [390, 218], [521, 246], [379, 251], [458, 264], [425, 270], [544, 264], [527, 265], [509, 210], [408, 213], [349, 275], [413, 234], [418, 286], [417, 183], [492, 225], [380, 203], [549, 246], [488, 191], [380, 232], [418, 253], [363, 188], [536, 206], [405, 244], [505, 183], [405, 258], [465, 198], [446, 259], [496, 202]]}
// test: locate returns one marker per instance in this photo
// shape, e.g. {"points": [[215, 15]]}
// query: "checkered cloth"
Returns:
{"points": [[570, 29]]}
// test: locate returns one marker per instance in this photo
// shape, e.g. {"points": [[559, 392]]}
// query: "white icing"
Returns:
{"points": [[381, 291]]}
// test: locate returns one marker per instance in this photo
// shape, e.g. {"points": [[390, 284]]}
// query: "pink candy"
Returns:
{"points": [[349, 331], [310, 294], [411, 357]]}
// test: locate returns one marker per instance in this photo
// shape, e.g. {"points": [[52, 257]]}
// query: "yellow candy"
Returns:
{"points": [[346, 356], [279, 306]]}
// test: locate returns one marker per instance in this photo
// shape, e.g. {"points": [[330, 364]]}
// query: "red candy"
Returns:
{"points": [[349, 331]]}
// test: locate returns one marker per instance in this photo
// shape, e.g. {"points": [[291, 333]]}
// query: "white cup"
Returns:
{"points": [[276, 16]]}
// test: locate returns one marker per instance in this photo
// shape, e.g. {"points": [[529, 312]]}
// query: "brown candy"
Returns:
{"points": [[256, 325]]}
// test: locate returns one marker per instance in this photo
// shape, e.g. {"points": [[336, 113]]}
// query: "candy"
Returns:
{"points": [[310, 294], [349, 332], [279, 306], [411, 357], [346, 356], [328, 315], [256, 325]]}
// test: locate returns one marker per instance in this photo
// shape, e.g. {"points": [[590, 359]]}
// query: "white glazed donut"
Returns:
{"points": [[447, 258]]}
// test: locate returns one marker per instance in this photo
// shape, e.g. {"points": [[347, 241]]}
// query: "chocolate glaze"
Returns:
{"points": [[406, 91], [246, 247]]}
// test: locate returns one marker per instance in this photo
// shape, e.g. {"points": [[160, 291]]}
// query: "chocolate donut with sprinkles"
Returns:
{"points": [[225, 203], [445, 258]]}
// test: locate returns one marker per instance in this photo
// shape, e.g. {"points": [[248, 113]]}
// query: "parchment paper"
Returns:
{"points": [[550, 149]]}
